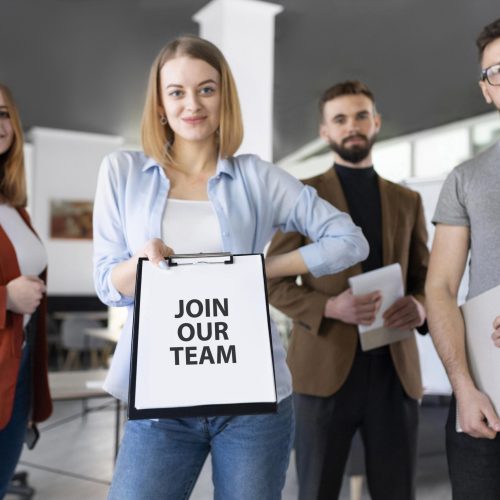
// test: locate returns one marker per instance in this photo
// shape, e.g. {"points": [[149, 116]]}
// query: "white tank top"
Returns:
{"points": [[191, 227], [31, 254]]}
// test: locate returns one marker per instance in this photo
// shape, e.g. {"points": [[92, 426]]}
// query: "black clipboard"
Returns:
{"points": [[180, 263]]}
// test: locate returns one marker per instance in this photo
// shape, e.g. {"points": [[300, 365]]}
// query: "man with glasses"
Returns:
{"points": [[467, 219], [338, 388]]}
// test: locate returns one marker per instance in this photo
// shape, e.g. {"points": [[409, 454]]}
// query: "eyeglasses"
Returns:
{"points": [[491, 74]]}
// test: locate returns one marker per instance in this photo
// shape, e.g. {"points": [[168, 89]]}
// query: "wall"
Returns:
{"points": [[63, 166]]}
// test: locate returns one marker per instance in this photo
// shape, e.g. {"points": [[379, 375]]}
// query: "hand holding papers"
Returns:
{"points": [[389, 281], [483, 356]]}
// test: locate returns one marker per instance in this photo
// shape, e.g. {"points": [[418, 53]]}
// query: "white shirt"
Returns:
{"points": [[31, 254], [191, 227]]}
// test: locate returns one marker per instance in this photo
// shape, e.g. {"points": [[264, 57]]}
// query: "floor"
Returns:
{"points": [[74, 457]]}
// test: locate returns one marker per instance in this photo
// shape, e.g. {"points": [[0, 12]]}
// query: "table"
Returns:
{"points": [[82, 384], [70, 337], [95, 315], [112, 335]]}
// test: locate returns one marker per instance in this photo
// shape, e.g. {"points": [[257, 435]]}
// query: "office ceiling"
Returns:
{"points": [[82, 64]]}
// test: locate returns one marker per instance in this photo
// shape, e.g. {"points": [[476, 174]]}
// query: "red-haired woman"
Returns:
{"points": [[24, 391]]}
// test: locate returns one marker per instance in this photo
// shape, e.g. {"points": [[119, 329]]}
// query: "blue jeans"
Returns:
{"points": [[162, 460], [12, 436]]}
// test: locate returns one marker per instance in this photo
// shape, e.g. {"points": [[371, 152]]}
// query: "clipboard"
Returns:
{"points": [[201, 338], [483, 356]]}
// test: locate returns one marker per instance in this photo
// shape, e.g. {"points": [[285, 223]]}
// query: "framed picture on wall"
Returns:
{"points": [[71, 219]]}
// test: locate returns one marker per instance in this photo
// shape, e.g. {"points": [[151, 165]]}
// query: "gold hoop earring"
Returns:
{"points": [[163, 120]]}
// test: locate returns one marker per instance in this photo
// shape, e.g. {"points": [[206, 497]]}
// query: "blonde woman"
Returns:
{"points": [[24, 391], [187, 192]]}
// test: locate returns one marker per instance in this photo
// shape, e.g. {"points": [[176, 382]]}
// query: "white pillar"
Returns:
{"points": [[244, 31]]}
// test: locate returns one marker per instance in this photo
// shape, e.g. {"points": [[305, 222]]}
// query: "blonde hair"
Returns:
{"points": [[156, 137], [12, 177]]}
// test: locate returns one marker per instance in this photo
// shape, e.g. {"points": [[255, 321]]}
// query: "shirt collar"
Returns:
{"points": [[224, 166], [150, 163], [355, 173]]}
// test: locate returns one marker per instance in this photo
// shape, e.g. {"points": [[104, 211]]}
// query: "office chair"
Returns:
{"points": [[75, 340]]}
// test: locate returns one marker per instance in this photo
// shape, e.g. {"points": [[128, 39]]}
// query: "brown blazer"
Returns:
{"points": [[11, 340], [321, 350]]}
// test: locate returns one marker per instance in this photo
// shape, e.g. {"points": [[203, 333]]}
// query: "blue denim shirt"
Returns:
{"points": [[251, 198]]}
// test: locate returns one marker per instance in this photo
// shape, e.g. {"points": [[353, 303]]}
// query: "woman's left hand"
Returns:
{"points": [[496, 334], [24, 294]]}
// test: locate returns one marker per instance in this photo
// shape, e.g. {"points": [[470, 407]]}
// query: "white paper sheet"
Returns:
{"points": [[483, 356], [160, 382], [388, 280]]}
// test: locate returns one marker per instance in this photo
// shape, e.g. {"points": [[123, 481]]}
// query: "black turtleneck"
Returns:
{"points": [[361, 190]]}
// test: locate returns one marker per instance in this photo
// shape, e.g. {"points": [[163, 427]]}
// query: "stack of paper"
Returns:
{"points": [[389, 281]]}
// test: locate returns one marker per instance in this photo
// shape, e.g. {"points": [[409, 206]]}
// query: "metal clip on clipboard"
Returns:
{"points": [[200, 258]]}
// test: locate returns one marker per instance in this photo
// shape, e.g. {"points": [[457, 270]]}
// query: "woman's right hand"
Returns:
{"points": [[123, 274], [24, 294], [156, 251]]}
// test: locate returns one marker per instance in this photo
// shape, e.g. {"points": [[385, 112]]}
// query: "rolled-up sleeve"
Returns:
{"points": [[451, 206], [110, 247], [337, 243]]}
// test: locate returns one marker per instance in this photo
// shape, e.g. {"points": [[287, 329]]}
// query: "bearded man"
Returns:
{"points": [[338, 387]]}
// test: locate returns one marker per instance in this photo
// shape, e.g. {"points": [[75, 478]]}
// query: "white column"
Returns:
{"points": [[244, 31]]}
